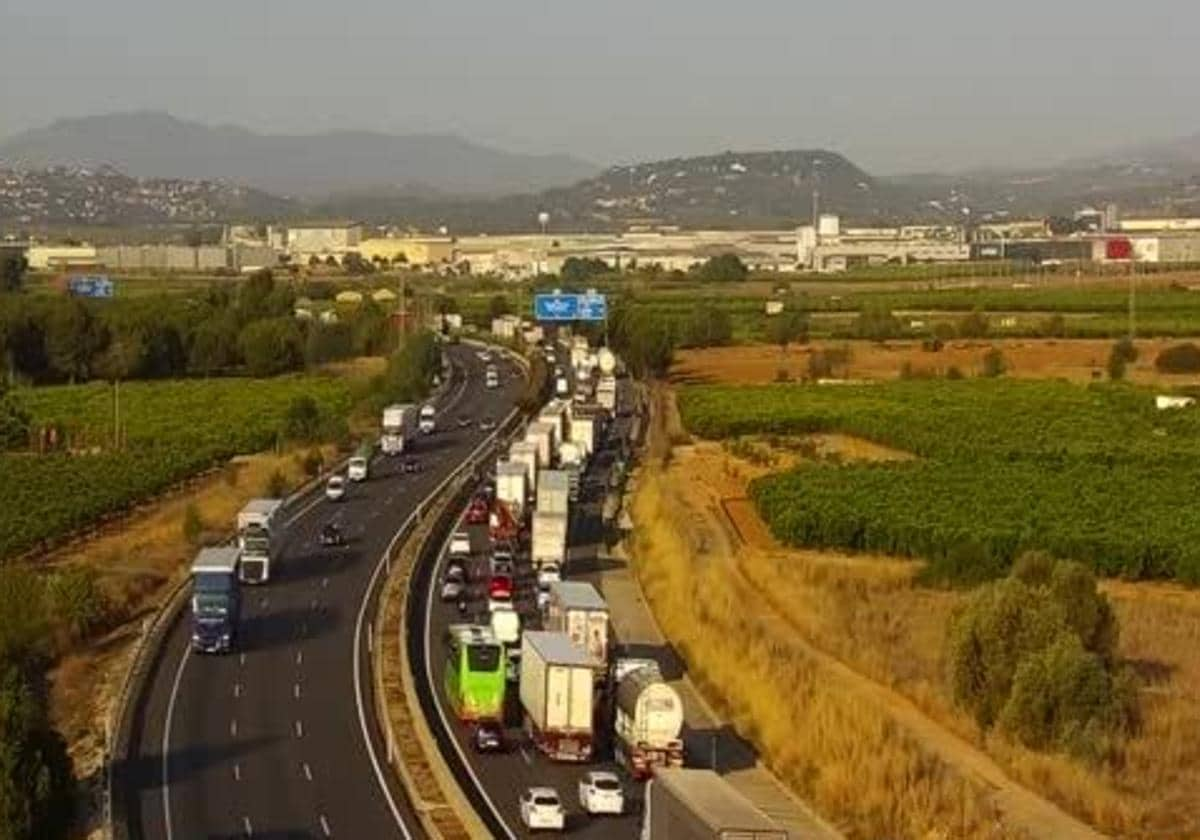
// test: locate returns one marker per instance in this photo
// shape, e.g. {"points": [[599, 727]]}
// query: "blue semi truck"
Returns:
{"points": [[216, 600]]}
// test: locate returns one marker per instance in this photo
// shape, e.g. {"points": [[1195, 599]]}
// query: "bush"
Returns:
{"points": [[975, 325], [1182, 358], [953, 372], [302, 421], [1035, 654], [877, 324], [1054, 327], [76, 599], [277, 486], [993, 363], [312, 463], [193, 525]]}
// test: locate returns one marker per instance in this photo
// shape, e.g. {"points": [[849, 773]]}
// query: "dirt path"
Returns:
{"points": [[707, 509]]}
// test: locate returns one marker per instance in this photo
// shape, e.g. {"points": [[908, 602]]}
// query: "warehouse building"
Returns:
{"points": [[323, 239], [409, 250]]}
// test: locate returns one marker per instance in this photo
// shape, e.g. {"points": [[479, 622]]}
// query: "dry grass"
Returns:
{"points": [[828, 743], [869, 614], [1074, 359]]}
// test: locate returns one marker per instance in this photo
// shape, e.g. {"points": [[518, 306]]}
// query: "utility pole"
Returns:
{"points": [[1132, 300]]}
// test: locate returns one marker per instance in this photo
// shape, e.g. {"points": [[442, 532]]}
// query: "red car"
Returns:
{"points": [[500, 586], [477, 512]]}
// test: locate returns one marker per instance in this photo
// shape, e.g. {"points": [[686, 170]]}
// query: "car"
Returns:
{"points": [[502, 564], [600, 793], [488, 737], [477, 511], [543, 599], [411, 465], [464, 420], [484, 356], [541, 809], [335, 488], [331, 535], [500, 587], [460, 543], [547, 574], [487, 423], [453, 589], [456, 568]]}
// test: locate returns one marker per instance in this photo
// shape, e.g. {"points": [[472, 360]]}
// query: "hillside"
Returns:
{"points": [[158, 145], [105, 196]]}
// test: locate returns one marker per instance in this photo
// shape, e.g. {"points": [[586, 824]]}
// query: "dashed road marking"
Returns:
{"points": [[325, 826], [241, 659], [307, 771], [237, 772], [525, 755], [299, 657], [233, 727], [299, 729], [296, 691], [237, 690], [247, 828], [325, 583]]}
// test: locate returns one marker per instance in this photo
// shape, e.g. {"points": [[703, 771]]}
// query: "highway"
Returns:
{"points": [[278, 739], [498, 780]]}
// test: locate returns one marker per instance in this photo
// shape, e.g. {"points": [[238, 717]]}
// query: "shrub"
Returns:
{"points": [[877, 324], [193, 525], [312, 463], [76, 599], [953, 372], [974, 325], [1182, 358], [1054, 327], [277, 485], [302, 421], [993, 363]]}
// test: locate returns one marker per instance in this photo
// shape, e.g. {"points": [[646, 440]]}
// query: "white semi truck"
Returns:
{"points": [[549, 539], [557, 694], [648, 718], [553, 491], [700, 805], [512, 480], [258, 538], [578, 610], [397, 428], [525, 453]]}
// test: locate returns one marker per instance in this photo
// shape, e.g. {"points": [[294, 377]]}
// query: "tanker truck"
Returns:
{"points": [[648, 718]]}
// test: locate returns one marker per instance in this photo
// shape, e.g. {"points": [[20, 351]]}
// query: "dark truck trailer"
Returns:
{"points": [[699, 805]]}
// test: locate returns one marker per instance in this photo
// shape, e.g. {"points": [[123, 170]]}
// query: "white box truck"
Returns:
{"points": [[578, 610], [553, 491], [686, 804], [648, 719], [549, 539], [525, 453], [541, 435], [258, 537], [397, 420], [606, 393], [557, 695], [583, 432], [511, 483]]}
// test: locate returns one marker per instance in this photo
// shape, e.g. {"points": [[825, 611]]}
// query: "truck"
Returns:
{"points": [[606, 361], [606, 393], [578, 610], [683, 804], [512, 479], [562, 386], [542, 436], [397, 422], [549, 539], [648, 718], [556, 691], [257, 538], [526, 453], [553, 491], [506, 625], [216, 600], [427, 424], [583, 431], [359, 466]]}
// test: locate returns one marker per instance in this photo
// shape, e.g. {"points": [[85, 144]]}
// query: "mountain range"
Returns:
{"points": [[429, 181]]}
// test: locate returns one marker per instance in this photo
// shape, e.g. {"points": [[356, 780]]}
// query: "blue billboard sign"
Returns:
{"points": [[570, 307], [556, 307], [92, 286]]}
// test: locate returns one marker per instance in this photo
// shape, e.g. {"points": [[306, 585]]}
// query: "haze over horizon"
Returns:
{"points": [[918, 87]]}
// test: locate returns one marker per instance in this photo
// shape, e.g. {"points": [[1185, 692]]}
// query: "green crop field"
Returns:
{"points": [[1091, 473], [171, 429]]}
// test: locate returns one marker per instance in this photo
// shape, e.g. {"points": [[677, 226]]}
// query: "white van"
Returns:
{"points": [[356, 468]]}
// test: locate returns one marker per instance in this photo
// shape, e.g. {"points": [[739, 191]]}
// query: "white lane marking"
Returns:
{"points": [[324, 583], [166, 740], [312, 605], [247, 828], [316, 501], [307, 771], [233, 728], [299, 657], [237, 690], [325, 826], [299, 729], [525, 755], [262, 602], [370, 642], [241, 659], [296, 691], [237, 772]]}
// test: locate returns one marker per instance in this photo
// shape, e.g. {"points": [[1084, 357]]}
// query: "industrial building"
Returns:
{"points": [[322, 239], [410, 250], [830, 247]]}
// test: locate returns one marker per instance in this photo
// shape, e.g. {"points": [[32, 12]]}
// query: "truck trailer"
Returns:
{"points": [[549, 539], [648, 718], [511, 483], [700, 805], [216, 601], [258, 537], [397, 426], [553, 492], [557, 695], [578, 610]]}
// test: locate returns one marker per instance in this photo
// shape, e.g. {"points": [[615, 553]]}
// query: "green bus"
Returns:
{"points": [[475, 672]]}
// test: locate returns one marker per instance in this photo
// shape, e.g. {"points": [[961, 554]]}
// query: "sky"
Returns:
{"points": [[925, 85]]}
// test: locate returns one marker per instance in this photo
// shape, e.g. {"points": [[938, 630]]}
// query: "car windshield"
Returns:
{"points": [[606, 784], [545, 800], [454, 573], [335, 482], [211, 604]]}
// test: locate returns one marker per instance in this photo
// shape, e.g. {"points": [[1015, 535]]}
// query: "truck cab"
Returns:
{"points": [[216, 600]]}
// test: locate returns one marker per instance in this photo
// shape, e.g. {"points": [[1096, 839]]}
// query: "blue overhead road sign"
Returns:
{"points": [[593, 307], [556, 307]]}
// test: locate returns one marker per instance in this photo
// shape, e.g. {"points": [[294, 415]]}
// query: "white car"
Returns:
{"points": [[543, 600], [460, 543], [600, 793], [547, 574], [541, 808], [427, 424], [356, 469], [335, 488]]}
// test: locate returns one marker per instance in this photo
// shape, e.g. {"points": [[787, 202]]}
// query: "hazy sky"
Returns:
{"points": [[924, 84]]}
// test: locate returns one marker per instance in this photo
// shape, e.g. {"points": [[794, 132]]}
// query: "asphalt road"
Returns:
{"points": [[271, 740], [502, 778]]}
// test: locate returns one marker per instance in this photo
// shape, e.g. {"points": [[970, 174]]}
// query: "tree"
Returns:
{"points": [[499, 305], [578, 270], [786, 327], [13, 266], [370, 330], [725, 268], [353, 263], [14, 420], [1180, 358], [214, 345], [993, 363], [1123, 353], [302, 421], [271, 346], [327, 343], [72, 338]]}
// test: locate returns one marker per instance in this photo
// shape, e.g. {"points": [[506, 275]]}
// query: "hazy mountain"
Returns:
{"points": [[157, 145]]}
